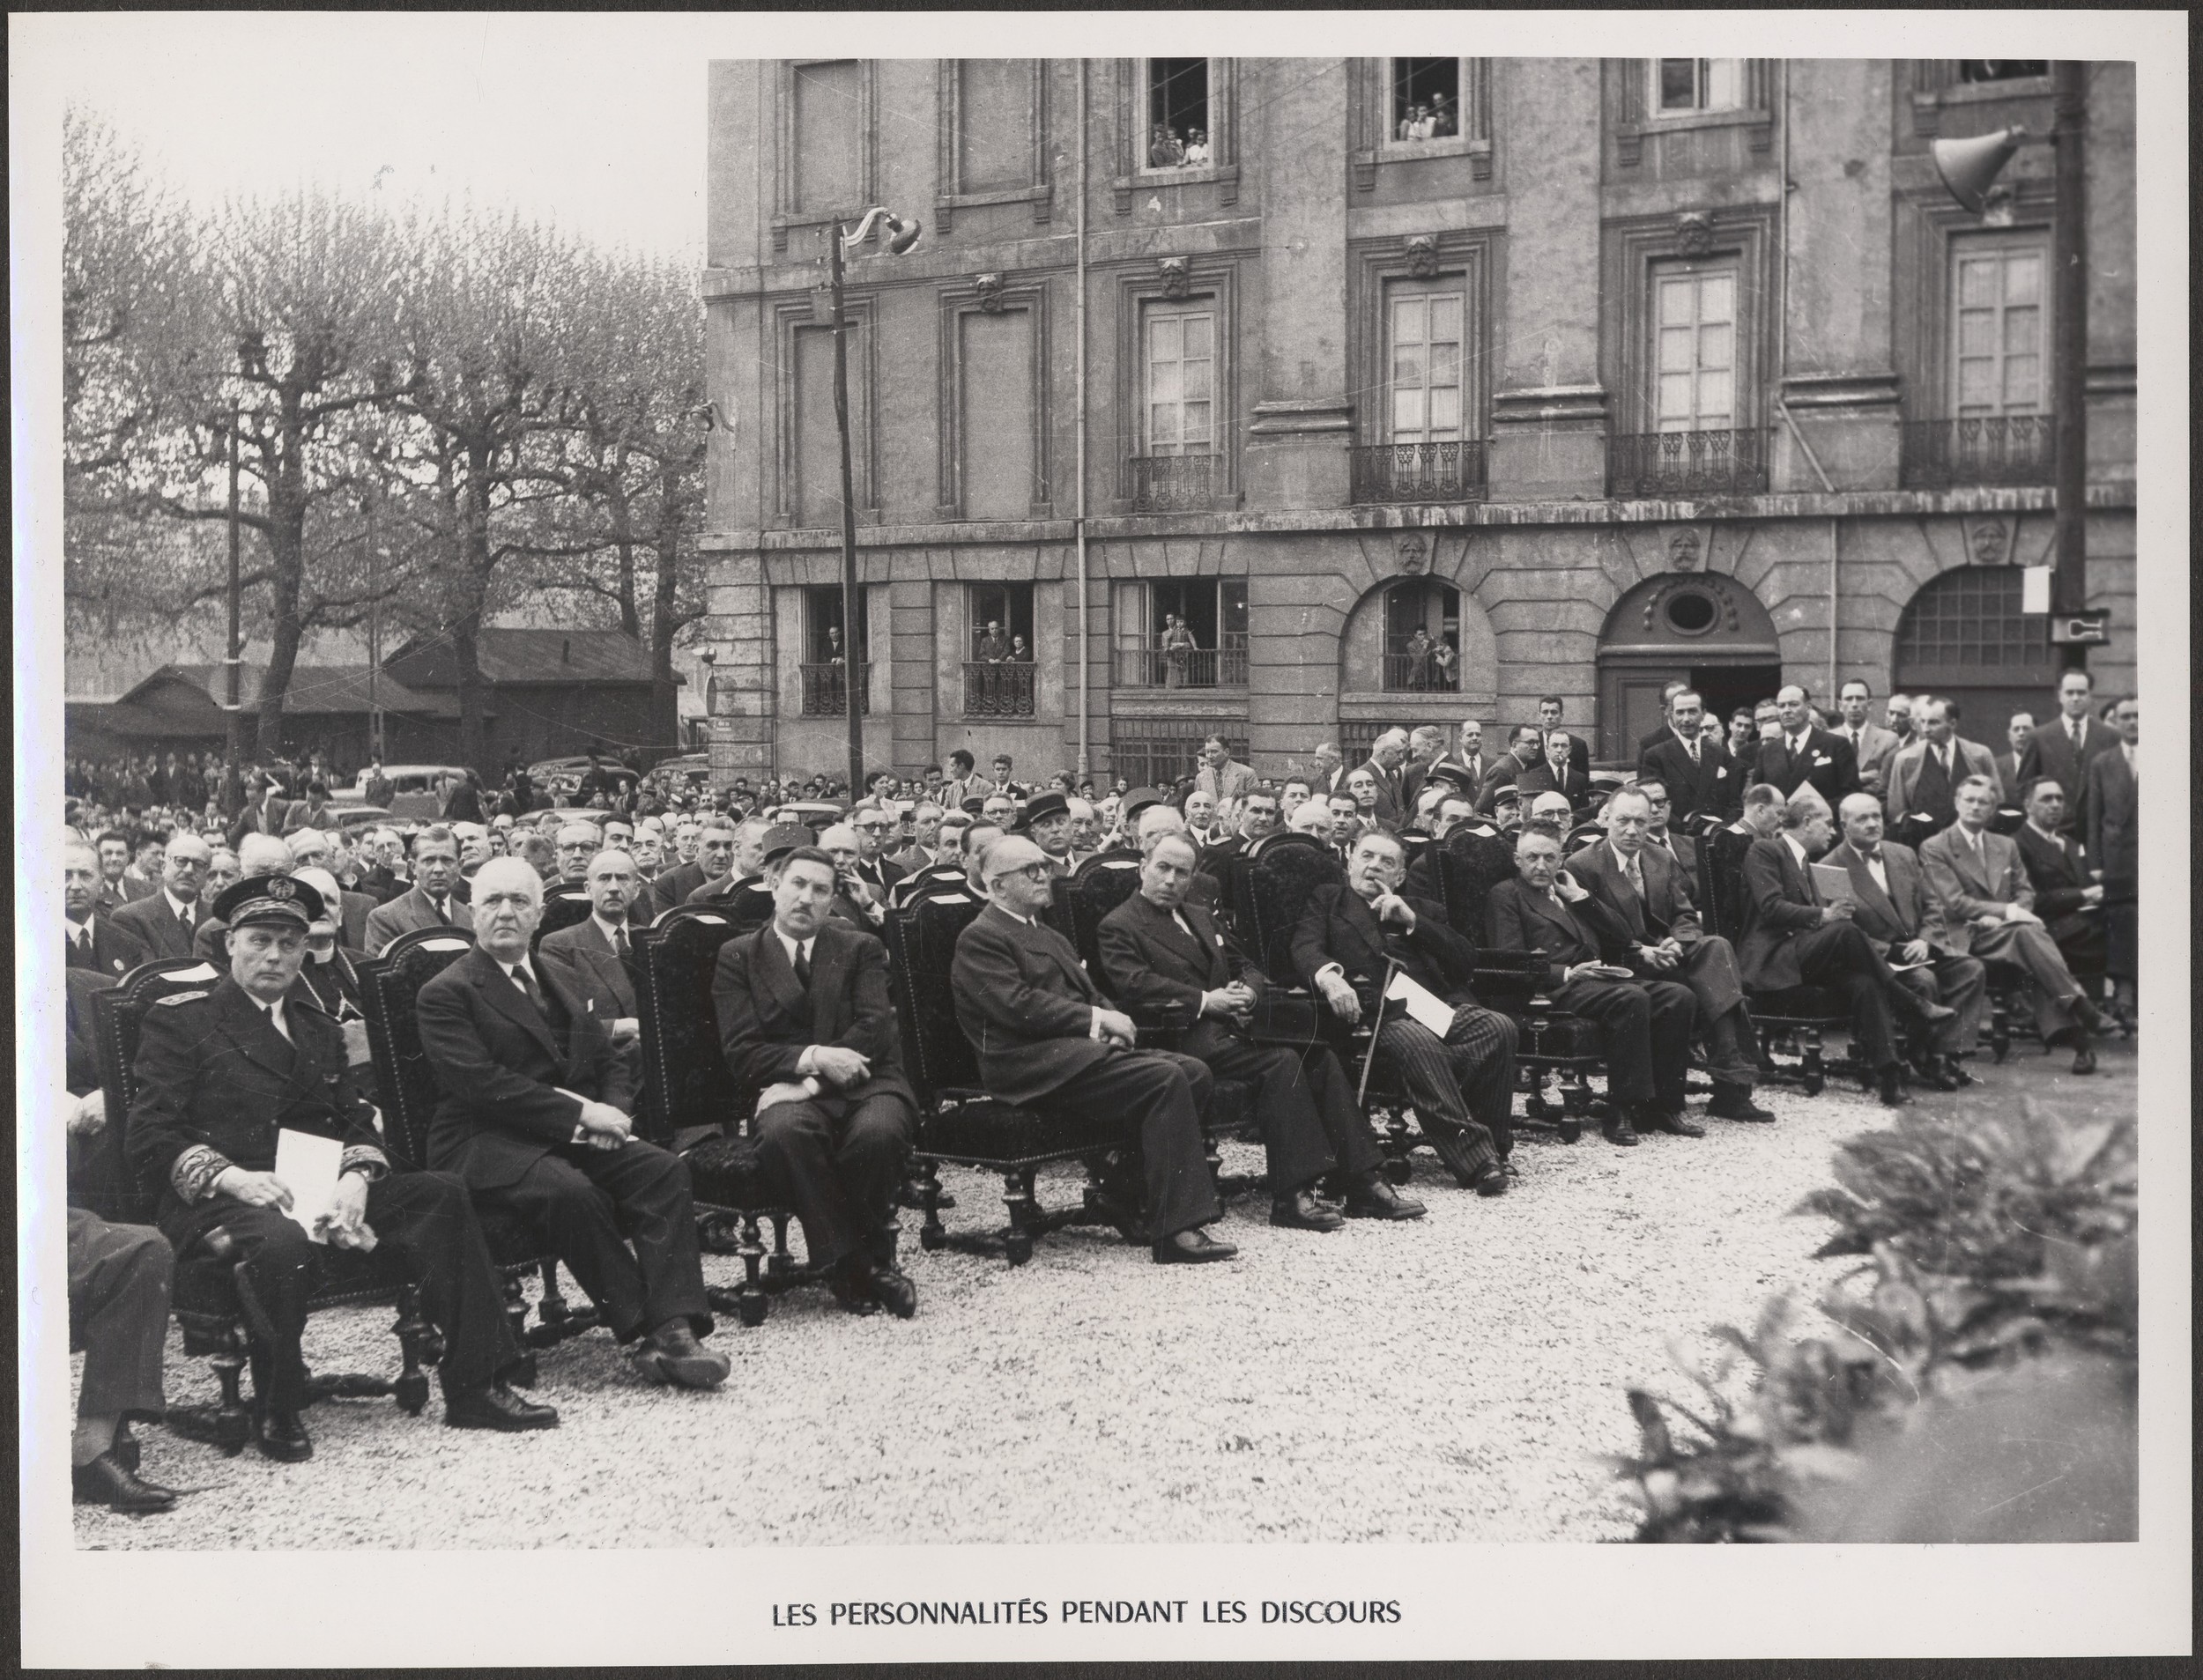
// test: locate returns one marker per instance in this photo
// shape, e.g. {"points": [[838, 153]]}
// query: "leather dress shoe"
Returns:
{"points": [[1928, 1073], [852, 1292], [1301, 1211], [673, 1355], [1372, 1198], [1889, 1084], [1492, 1182], [1734, 1102], [1672, 1121], [1954, 1071], [893, 1289], [496, 1407], [1933, 1013], [1190, 1248], [1618, 1132], [281, 1435], [2083, 1056], [106, 1481], [2086, 1012], [124, 1452]]}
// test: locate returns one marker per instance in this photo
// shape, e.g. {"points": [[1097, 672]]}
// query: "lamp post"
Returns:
{"points": [[232, 701], [902, 235]]}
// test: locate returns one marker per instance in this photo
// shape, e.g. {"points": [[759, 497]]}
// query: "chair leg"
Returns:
{"points": [[932, 1235], [233, 1418], [1017, 1196], [523, 1371], [411, 1386], [751, 1305], [1812, 1075], [780, 1267], [554, 1310]]}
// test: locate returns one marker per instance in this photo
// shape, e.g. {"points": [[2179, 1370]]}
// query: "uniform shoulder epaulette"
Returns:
{"points": [[182, 997]]}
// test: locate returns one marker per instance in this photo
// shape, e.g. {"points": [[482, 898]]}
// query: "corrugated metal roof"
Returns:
{"points": [[522, 655], [315, 690]]}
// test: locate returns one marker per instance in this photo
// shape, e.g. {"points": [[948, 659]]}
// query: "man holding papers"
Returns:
{"points": [[1461, 1081], [1645, 1025], [1892, 906], [224, 1076]]}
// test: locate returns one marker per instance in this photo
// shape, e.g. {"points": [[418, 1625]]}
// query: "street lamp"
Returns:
{"points": [[903, 234]]}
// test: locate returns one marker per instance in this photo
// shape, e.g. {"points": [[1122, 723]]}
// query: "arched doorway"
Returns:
{"points": [[1701, 627], [1964, 637]]}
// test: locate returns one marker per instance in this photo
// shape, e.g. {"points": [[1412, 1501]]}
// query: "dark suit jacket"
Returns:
{"points": [[675, 885], [1505, 770], [2114, 816], [880, 874], [408, 913], [585, 961], [2058, 870], [259, 819], [1027, 1005], [1909, 911], [1517, 917], [498, 1059], [115, 951], [1713, 784], [767, 1020], [154, 925], [1390, 810], [1779, 902], [383, 885], [1828, 764], [1337, 927], [1665, 907], [2050, 753], [1157, 973], [1540, 779]]}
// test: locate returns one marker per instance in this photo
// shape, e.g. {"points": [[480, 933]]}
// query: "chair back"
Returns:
{"points": [[921, 951], [685, 1078], [1721, 882], [1097, 887], [118, 1012], [406, 1089], [1412, 846], [1279, 882], [940, 877], [563, 907], [1469, 867]]}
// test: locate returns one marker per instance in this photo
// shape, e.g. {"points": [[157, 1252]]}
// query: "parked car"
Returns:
{"points": [[351, 818], [416, 789]]}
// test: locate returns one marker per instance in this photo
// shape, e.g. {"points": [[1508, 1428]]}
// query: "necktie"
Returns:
{"points": [[1690, 745], [442, 914], [1636, 878], [2072, 727], [620, 943], [184, 916], [526, 981], [802, 966]]}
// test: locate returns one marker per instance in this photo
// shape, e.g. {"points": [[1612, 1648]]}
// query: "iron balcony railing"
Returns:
{"points": [[825, 691], [1411, 673], [1172, 482], [1685, 463], [1224, 667], [998, 688], [1980, 450], [1451, 471]]}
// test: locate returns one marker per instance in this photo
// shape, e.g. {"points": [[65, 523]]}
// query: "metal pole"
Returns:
{"points": [[852, 664], [2069, 583], [374, 643], [232, 699], [1079, 503]]}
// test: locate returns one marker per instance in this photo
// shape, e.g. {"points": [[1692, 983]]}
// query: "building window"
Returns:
{"points": [[1684, 85], [1179, 134], [1159, 751], [1179, 353], [2001, 70], [1997, 326], [1182, 633], [1694, 349], [829, 136], [1424, 334], [1422, 637], [826, 646], [999, 664], [994, 129], [1426, 102], [1965, 631]]}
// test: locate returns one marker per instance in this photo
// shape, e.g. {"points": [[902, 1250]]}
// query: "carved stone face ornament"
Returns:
{"points": [[1412, 555], [1682, 550], [1177, 275], [989, 286], [1986, 541]]}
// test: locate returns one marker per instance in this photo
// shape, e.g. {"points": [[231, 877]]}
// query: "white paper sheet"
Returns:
{"points": [[1424, 1006], [308, 1164]]}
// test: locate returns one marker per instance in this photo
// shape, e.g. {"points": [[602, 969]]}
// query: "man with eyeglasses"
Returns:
{"points": [[167, 924], [873, 867], [1658, 832], [1046, 1036]]}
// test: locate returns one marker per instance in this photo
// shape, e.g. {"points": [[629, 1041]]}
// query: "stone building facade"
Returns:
{"points": [[1536, 357]]}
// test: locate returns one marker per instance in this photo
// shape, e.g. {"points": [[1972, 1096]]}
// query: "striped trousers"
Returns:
{"points": [[1463, 1082]]}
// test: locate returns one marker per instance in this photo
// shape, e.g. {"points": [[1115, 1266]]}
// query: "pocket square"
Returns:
{"points": [[1821, 759], [1721, 772]]}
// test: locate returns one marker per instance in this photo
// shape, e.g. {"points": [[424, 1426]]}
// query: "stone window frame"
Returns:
{"points": [[1132, 174], [787, 316], [1473, 253], [787, 214], [992, 294], [1369, 119], [1631, 248], [950, 194], [1635, 118], [1215, 275], [1935, 86], [1927, 220]]}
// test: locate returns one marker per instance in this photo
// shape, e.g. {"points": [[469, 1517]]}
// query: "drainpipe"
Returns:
{"points": [[1782, 373], [1079, 496]]}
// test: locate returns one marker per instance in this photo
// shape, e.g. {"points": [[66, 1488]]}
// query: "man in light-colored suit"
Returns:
{"points": [[2114, 802], [1991, 906], [1221, 776], [2064, 746], [1923, 779], [429, 903], [1871, 746], [592, 957], [1896, 910]]}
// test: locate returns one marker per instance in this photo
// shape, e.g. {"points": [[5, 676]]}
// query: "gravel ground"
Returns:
{"points": [[1454, 1378]]}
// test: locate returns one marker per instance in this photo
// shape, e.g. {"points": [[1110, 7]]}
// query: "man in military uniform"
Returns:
{"points": [[219, 1074]]}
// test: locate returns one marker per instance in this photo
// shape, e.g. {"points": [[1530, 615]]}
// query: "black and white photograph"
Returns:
{"points": [[1085, 856]]}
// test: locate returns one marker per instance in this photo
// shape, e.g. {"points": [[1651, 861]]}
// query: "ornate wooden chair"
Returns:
{"points": [[1791, 1021], [959, 1121], [688, 1095], [563, 907], [1549, 1042], [408, 1092], [211, 1294]]}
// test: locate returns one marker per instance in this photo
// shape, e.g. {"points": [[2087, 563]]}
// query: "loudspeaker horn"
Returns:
{"points": [[1969, 167]]}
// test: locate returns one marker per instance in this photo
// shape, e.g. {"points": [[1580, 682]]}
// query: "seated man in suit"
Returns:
{"points": [[1698, 774], [94, 942], [1462, 1084], [714, 859], [592, 958], [1792, 938], [219, 1075], [1045, 1036], [1799, 752], [1166, 958], [1896, 910], [431, 901], [166, 922], [873, 824], [745, 872], [1227, 862], [804, 1018], [2069, 901], [1984, 890], [534, 1117], [1645, 1025], [1642, 888], [1662, 836], [312, 849]]}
